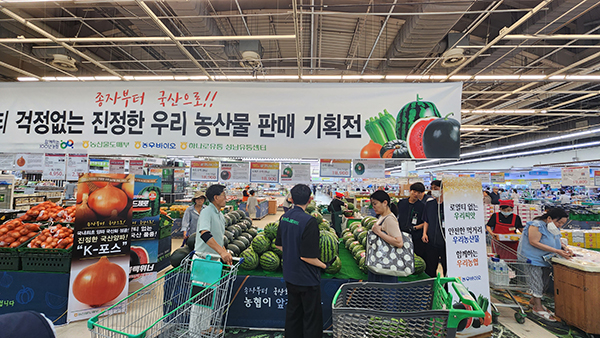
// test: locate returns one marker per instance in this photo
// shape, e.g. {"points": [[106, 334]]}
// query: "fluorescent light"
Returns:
{"points": [[86, 78], [372, 77], [499, 111], [417, 77], [66, 78], [107, 78], [129, 77], [395, 77], [532, 77], [49, 78], [279, 77], [363, 77], [470, 129], [530, 143], [524, 153], [464, 111], [322, 77], [438, 77], [557, 77], [199, 77], [234, 77], [460, 77], [496, 77], [181, 78], [153, 78], [27, 79], [583, 77]]}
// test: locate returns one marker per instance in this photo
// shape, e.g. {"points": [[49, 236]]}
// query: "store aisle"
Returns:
{"points": [[322, 198]]}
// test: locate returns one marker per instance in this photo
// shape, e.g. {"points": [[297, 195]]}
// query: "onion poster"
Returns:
{"points": [[100, 266]]}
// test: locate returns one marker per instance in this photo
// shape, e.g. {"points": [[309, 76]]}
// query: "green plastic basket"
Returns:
{"points": [[10, 257], [164, 231], [45, 260]]}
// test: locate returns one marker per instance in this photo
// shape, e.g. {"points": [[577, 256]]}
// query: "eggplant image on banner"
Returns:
{"points": [[441, 138]]}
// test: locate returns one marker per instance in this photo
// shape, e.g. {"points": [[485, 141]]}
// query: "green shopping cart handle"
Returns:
{"points": [[456, 315]]}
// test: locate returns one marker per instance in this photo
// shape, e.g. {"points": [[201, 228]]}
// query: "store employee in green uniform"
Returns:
{"points": [[298, 238], [211, 224]]}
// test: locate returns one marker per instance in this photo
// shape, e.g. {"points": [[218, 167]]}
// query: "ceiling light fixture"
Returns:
{"points": [[496, 77], [27, 79], [322, 77], [153, 78]]}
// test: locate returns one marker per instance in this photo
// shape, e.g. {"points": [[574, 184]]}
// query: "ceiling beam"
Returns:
{"points": [[148, 39]]}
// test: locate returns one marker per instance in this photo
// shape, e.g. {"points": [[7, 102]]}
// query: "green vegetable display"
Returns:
{"points": [[381, 129]]}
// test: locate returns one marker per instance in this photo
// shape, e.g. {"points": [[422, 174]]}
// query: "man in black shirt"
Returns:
{"points": [[433, 231], [410, 216], [337, 203], [298, 238], [495, 196]]}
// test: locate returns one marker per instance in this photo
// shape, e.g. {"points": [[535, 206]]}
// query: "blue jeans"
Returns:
{"points": [[373, 277]]}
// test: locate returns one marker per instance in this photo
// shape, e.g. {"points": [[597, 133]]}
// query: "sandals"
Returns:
{"points": [[546, 315]]}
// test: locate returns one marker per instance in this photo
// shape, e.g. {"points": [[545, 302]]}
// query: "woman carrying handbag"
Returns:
{"points": [[387, 229]]}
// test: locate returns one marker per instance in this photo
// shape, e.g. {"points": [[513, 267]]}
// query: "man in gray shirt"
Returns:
{"points": [[211, 224]]}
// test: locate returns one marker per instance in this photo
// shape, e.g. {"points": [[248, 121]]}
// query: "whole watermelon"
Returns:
{"points": [[411, 112], [419, 265], [275, 249], [329, 246], [250, 259], [261, 243], [269, 261], [178, 255], [271, 230], [335, 267]]}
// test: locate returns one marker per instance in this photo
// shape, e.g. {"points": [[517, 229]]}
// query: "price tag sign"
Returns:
{"points": [[483, 177], [535, 185], [77, 165], [335, 168], [54, 167], [579, 176], [368, 168], [136, 167], [293, 173], [234, 172], [7, 161], [597, 178], [264, 172], [207, 171], [497, 177], [116, 166], [29, 162]]}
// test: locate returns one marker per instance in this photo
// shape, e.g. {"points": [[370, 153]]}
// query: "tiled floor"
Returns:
{"points": [[529, 329]]}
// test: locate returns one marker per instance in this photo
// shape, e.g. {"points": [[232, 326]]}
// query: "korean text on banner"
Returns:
{"points": [[136, 167], [54, 167], [259, 120], [363, 168], [204, 171], [29, 162], [465, 238], [579, 176], [335, 168], [116, 167], [100, 262], [292, 173], [264, 172], [235, 172], [77, 165]]}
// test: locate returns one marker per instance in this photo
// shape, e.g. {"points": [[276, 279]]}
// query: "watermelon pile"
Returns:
{"points": [[355, 240], [262, 251], [239, 234]]}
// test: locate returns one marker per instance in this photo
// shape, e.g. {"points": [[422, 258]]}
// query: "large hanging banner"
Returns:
{"points": [[292, 173], [465, 239], [579, 176], [204, 171], [329, 120], [335, 168], [77, 165], [235, 172], [264, 172], [54, 167], [363, 168], [100, 259]]}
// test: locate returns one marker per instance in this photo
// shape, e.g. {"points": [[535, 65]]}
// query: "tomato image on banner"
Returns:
{"points": [[419, 131]]}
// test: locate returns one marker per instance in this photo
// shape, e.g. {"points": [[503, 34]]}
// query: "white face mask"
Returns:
{"points": [[436, 193], [506, 213], [553, 229]]}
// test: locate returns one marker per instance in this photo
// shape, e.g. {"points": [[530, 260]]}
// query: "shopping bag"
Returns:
{"points": [[385, 259]]}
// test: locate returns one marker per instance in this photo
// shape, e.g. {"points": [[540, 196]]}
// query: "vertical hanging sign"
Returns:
{"points": [[54, 167], [77, 165], [207, 171], [292, 173], [465, 239], [335, 168], [100, 258], [264, 172]]}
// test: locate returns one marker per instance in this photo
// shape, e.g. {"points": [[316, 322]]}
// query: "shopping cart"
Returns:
{"points": [[517, 277], [414, 309], [188, 301]]}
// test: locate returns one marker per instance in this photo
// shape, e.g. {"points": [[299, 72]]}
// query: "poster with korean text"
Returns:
{"points": [[293, 173], [234, 172], [578, 176], [465, 240], [55, 166], [100, 258], [136, 167], [29, 162], [77, 165], [363, 168], [235, 119], [335, 168], [207, 171], [264, 172]]}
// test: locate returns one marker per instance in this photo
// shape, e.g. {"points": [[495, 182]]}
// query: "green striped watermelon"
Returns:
{"points": [[269, 261], [275, 249], [347, 237], [353, 245], [362, 237], [261, 243], [354, 226], [239, 244], [271, 230], [357, 231], [349, 242], [318, 216], [335, 267], [324, 226], [356, 249], [244, 240], [419, 265], [250, 259], [329, 245], [252, 231], [410, 113], [235, 249], [360, 254], [362, 266]]}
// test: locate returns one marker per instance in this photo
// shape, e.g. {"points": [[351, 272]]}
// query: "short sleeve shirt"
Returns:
{"points": [[211, 219], [389, 224]]}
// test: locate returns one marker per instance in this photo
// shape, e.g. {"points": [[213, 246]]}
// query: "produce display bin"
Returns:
{"points": [[45, 260], [165, 231], [9, 259]]}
